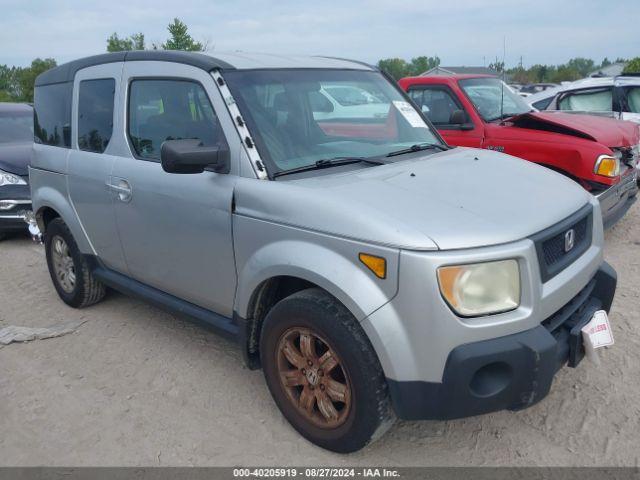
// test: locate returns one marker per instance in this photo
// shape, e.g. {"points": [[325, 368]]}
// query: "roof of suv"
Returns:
{"points": [[222, 61]]}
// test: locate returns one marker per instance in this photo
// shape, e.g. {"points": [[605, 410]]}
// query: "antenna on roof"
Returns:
{"points": [[504, 54]]}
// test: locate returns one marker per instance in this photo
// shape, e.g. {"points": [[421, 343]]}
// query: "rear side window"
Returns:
{"points": [[52, 120], [162, 110], [595, 100], [95, 114]]}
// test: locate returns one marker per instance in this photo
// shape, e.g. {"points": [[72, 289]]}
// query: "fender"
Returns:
{"points": [[329, 262], [46, 191]]}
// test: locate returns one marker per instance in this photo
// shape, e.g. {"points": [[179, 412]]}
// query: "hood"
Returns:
{"points": [[607, 131], [461, 198], [15, 158]]}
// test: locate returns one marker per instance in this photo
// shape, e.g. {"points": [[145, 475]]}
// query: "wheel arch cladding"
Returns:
{"points": [[279, 269], [338, 272], [51, 204], [44, 216]]}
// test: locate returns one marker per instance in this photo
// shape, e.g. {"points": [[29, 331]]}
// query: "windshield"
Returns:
{"points": [[298, 117], [16, 128], [486, 94]]}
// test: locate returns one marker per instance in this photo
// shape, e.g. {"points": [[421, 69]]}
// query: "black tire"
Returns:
{"points": [[370, 413], [86, 289]]}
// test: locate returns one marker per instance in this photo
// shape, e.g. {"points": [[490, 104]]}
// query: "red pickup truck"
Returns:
{"points": [[480, 111]]}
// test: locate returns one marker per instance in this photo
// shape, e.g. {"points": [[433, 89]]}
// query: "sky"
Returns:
{"points": [[460, 32]]}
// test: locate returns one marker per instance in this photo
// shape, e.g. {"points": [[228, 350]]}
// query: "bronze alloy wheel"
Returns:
{"points": [[313, 377], [323, 372]]}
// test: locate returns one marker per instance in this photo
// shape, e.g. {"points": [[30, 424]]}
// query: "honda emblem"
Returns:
{"points": [[569, 240]]}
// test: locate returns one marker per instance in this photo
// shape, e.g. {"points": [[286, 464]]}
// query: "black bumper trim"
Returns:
{"points": [[511, 372]]}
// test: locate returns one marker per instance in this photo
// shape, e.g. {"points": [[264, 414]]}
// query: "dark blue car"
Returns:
{"points": [[16, 140]]}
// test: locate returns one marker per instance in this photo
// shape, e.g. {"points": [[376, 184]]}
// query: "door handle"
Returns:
{"points": [[122, 189]]}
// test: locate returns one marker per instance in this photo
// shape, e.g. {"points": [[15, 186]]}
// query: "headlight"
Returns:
{"points": [[481, 288], [10, 179], [607, 166]]}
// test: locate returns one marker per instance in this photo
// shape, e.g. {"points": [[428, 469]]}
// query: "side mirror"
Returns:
{"points": [[191, 156], [459, 119]]}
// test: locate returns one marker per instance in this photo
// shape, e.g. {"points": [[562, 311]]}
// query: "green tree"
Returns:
{"points": [[536, 73], [27, 76], [584, 66], [5, 77], [565, 73], [519, 75], [6, 96], [396, 67], [133, 42], [180, 38], [9, 87], [138, 41], [633, 66], [420, 65]]}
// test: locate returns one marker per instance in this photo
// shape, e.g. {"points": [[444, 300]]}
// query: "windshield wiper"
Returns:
{"points": [[419, 147], [329, 162]]}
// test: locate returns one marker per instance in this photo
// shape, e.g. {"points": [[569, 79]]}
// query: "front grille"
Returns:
{"points": [[551, 244], [554, 247]]}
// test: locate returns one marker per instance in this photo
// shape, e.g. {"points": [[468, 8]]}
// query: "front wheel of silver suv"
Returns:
{"points": [[68, 268], [323, 372]]}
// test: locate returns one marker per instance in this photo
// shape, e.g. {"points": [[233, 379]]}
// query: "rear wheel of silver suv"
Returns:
{"points": [[323, 372], [68, 268]]}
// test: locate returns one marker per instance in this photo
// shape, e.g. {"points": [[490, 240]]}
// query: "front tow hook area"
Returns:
{"points": [[34, 230]]}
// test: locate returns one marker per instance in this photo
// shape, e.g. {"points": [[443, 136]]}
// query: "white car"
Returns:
{"points": [[617, 97], [346, 101]]}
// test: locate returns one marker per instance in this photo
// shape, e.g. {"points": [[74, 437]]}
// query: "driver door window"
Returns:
{"points": [[162, 110], [436, 103]]}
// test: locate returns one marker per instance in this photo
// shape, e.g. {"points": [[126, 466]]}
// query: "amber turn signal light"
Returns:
{"points": [[607, 166], [377, 265]]}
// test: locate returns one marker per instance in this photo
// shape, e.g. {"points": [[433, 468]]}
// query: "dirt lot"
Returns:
{"points": [[135, 386]]}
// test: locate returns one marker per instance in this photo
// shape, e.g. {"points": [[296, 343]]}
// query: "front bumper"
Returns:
{"points": [[616, 200], [510, 372], [15, 201]]}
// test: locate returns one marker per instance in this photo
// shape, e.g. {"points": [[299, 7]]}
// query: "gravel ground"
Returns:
{"points": [[135, 386]]}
